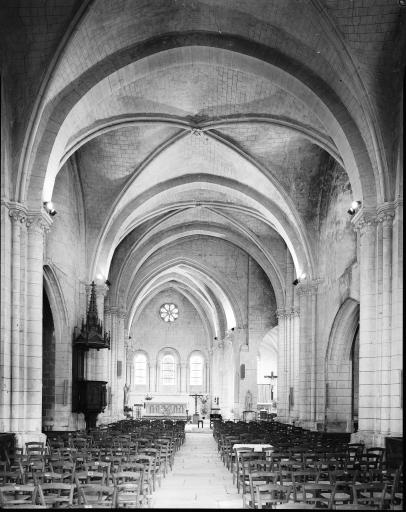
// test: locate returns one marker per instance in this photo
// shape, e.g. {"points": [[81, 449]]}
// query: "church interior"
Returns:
{"points": [[202, 220]]}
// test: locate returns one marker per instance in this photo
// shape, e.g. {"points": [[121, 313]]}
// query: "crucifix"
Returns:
{"points": [[272, 377], [196, 397]]}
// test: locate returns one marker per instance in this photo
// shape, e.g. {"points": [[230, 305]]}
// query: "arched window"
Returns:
{"points": [[140, 369], [196, 370], [168, 370]]}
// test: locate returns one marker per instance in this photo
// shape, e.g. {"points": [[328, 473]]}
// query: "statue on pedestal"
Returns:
{"points": [[248, 401], [126, 390]]}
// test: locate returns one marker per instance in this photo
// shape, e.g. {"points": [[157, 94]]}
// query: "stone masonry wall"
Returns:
{"points": [[339, 271]]}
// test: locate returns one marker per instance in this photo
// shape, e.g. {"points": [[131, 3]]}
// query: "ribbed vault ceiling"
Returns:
{"points": [[191, 142]]}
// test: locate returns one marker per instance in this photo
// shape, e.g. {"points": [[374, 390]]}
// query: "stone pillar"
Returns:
{"points": [[216, 376], [122, 315], [183, 378], [113, 312], [294, 412], [385, 218], [5, 324], [37, 224], [365, 224], [307, 291], [18, 217], [283, 409], [228, 378], [396, 369]]}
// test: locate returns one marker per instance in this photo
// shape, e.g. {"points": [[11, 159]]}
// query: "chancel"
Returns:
{"points": [[202, 250]]}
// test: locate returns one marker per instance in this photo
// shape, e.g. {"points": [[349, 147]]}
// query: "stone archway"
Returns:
{"points": [[339, 380]]}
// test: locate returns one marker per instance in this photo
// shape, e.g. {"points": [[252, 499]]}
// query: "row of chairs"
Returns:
{"points": [[335, 474], [85, 468]]}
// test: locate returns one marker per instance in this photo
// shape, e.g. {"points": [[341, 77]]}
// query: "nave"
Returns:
{"points": [[199, 478]]}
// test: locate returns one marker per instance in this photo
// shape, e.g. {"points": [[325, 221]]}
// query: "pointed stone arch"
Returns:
{"points": [[338, 367]]}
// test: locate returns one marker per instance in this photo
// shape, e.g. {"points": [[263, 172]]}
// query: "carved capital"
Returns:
{"points": [[294, 312], [281, 313], [39, 222], [308, 286], [386, 213], [364, 220], [17, 212], [122, 313], [113, 310]]}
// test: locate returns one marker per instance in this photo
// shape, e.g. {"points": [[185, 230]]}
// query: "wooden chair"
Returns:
{"points": [[258, 478], [130, 489], [20, 495], [371, 494], [96, 496], [299, 479], [56, 494], [319, 494], [269, 495], [240, 474]]}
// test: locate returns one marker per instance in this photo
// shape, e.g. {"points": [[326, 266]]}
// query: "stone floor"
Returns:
{"points": [[198, 479]]}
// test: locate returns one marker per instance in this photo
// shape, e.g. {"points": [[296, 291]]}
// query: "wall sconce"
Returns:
{"points": [[49, 207], [355, 206]]}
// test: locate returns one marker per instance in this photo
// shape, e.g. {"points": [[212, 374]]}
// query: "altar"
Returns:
{"points": [[165, 409]]}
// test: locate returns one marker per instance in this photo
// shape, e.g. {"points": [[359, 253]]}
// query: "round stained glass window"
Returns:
{"points": [[169, 312]]}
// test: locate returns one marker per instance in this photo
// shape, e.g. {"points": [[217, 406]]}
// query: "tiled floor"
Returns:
{"points": [[198, 479]]}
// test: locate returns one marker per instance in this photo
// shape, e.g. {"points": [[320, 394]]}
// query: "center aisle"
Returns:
{"points": [[198, 479]]}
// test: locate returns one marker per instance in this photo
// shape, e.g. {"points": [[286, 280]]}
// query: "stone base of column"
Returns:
{"points": [[29, 437], [369, 438]]}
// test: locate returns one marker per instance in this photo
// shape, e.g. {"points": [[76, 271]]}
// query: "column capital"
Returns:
{"points": [[365, 219], [113, 310], [16, 211], [130, 347], [39, 221], [386, 213], [122, 313], [309, 286], [281, 312]]}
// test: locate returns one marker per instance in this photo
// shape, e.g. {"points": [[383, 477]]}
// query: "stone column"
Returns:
{"points": [[18, 217], [112, 312], [216, 376], [294, 412], [385, 217], [37, 224], [5, 324], [121, 316], [183, 378], [282, 365], [365, 224], [396, 370], [307, 291], [228, 377]]}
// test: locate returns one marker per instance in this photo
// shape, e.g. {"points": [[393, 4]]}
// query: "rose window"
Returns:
{"points": [[169, 312]]}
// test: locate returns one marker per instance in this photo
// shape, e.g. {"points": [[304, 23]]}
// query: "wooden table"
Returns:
{"points": [[257, 447]]}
